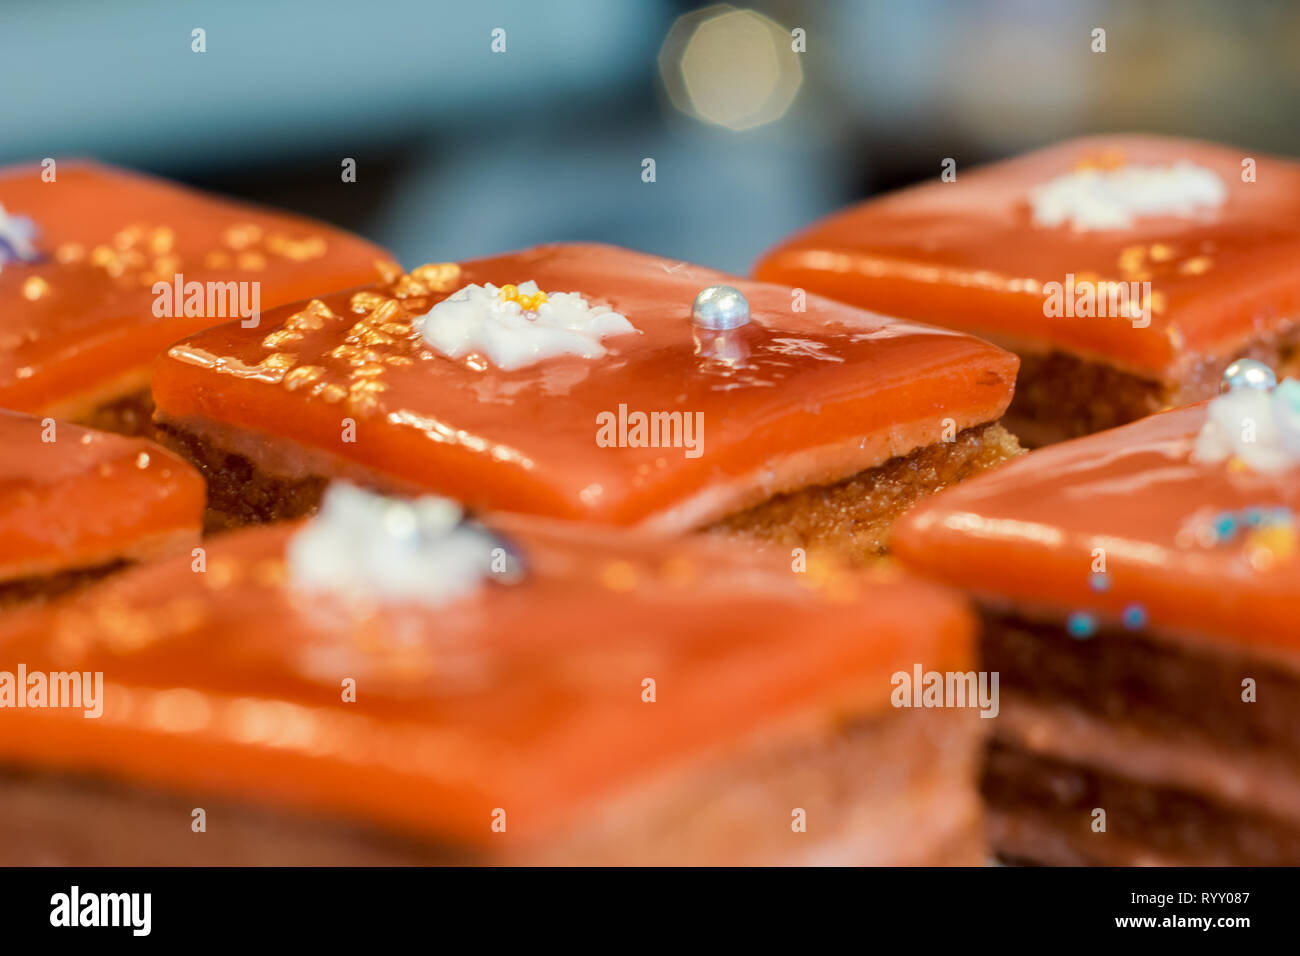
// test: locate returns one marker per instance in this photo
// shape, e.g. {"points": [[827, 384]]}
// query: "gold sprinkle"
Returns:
{"points": [[304, 320], [398, 360], [167, 265], [362, 394], [406, 287], [437, 276], [303, 375], [365, 301], [161, 240], [321, 309], [299, 250], [373, 337], [618, 576], [128, 237], [1196, 266], [252, 261], [386, 311], [219, 259], [243, 235], [388, 270], [355, 355], [1161, 252], [331, 393], [281, 337], [396, 328], [102, 256], [70, 252], [1132, 258], [35, 287], [279, 360]]}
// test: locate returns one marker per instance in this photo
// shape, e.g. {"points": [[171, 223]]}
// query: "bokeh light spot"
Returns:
{"points": [[729, 67]]}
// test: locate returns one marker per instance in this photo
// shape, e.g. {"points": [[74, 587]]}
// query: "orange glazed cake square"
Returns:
{"points": [[390, 683], [591, 383], [1140, 591], [101, 269], [1126, 271], [76, 504]]}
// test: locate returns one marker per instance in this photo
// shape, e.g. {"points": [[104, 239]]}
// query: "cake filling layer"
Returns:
{"points": [[853, 517], [1061, 395], [1044, 810], [262, 479], [1160, 685], [1187, 767]]}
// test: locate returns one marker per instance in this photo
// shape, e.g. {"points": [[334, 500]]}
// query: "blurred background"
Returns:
{"points": [[759, 117]]}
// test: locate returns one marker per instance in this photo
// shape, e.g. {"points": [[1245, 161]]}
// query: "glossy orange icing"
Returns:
{"points": [[1027, 531], [966, 254], [795, 397], [80, 322], [87, 497], [526, 697]]}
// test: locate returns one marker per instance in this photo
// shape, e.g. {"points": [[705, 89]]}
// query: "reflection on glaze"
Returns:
{"points": [[445, 434]]}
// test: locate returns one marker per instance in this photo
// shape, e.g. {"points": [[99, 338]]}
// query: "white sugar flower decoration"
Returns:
{"points": [[517, 326]]}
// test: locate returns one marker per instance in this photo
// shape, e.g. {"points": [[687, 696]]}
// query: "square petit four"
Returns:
{"points": [[391, 682], [591, 383], [1141, 598], [1126, 271], [101, 269], [76, 504]]}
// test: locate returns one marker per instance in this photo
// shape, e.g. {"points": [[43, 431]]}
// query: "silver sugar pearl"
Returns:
{"points": [[720, 307], [1247, 373]]}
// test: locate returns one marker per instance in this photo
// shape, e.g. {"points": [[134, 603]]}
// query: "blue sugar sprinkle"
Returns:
{"points": [[1135, 617], [1081, 625], [1225, 526]]}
